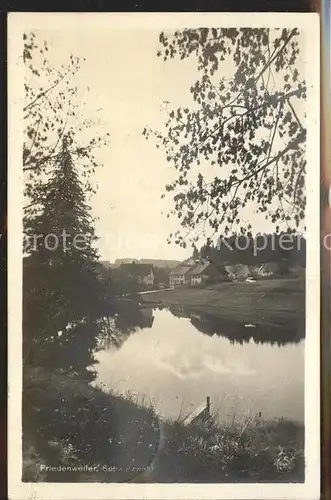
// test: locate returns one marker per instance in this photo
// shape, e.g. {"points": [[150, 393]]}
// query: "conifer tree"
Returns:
{"points": [[60, 280]]}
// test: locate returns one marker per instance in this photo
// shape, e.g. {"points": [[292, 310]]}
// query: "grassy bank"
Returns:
{"points": [[69, 424], [252, 450], [271, 300]]}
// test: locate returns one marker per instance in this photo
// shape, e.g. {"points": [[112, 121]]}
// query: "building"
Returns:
{"points": [[142, 273], [179, 276], [204, 272]]}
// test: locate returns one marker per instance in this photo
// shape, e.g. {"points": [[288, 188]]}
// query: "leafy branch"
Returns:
{"points": [[236, 125]]}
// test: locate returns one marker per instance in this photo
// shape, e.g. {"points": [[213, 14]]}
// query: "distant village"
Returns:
{"points": [[159, 273], [212, 264], [195, 273]]}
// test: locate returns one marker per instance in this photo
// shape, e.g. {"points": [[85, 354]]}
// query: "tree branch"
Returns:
{"points": [[274, 159], [42, 94], [274, 57], [297, 181], [296, 116], [32, 204], [33, 141], [281, 99], [39, 163], [275, 129]]}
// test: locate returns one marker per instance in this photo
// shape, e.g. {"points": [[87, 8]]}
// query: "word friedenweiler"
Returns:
{"points": [[92, 468]]}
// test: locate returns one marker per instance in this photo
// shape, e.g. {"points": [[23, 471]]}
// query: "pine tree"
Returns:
{"points": [[60, 283], [195, 254]]}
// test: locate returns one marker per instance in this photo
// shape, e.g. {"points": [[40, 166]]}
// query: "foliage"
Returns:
{"points": [[282, 248], [53, 108], [72, 424], [161, 275], [195, 253], [60, 284], [245, 451], [124, 283], [62, 296], [247, 129]]}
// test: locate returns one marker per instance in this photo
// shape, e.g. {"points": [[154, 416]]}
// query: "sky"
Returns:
{"points": [[128, 85]]}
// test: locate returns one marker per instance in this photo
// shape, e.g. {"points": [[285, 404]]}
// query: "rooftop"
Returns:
{"points": [[200, 268], [181, 270]]}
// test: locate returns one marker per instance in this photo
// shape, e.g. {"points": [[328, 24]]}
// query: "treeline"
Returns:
{"points": [[287, 249], [118, 281]]}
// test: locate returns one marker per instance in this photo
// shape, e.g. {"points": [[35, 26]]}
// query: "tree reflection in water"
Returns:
{"points": [[284, 332], [129, 318]]}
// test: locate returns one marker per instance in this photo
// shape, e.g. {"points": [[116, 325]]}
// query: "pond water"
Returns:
{"points": [[175, 359]]}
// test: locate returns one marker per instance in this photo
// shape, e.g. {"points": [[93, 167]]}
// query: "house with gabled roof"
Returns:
{"points": [[142, 273], [179, 276], [204, 272]]}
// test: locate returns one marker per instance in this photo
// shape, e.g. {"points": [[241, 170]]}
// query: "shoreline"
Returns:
{"points": [[61, 449], [268, 302]]}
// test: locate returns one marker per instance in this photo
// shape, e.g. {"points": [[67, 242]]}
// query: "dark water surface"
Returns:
{"points": [[175, 359]]}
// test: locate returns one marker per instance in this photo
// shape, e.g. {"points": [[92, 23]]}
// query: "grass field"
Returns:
{"points": [[271, 300]]}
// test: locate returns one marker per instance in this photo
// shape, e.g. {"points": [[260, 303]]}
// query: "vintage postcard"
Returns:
{"points": [[163, 256]]}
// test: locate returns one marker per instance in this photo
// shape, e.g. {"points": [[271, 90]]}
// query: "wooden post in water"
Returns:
{"points": [[208, 406], [200, 414]]}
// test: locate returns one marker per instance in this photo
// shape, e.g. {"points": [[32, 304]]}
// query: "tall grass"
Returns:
{"points": [[244, 450], [68, 422]]}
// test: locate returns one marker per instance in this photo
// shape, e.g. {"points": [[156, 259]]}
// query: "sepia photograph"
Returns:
{"points": [[163, 255]]}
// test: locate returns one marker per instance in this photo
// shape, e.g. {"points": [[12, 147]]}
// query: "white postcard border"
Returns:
{"points": [[17, 24]]}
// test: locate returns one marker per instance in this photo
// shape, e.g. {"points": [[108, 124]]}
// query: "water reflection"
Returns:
{"points": [[129, 317], [175, 359], [281, 333]]}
